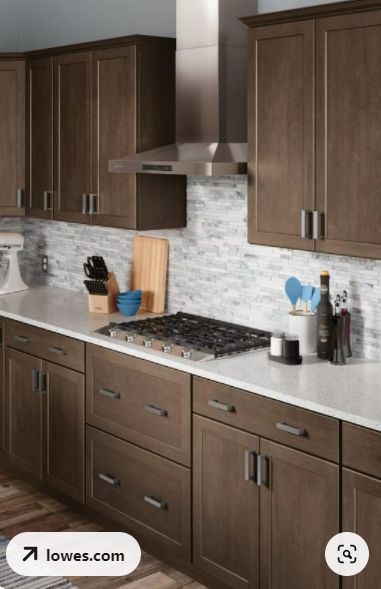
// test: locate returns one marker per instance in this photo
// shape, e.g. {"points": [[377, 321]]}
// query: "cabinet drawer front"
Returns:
{"points": [[148, 494], [47, 345], [362, 449], [295, 427], [141, 402]]}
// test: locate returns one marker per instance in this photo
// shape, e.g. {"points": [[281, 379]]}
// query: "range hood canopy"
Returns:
{"points": [[211, 60]]}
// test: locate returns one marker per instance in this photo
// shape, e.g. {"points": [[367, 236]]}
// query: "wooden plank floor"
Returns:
{"points": [[25, 509]]}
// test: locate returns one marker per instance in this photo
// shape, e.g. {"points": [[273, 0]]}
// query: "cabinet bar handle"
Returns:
{"points": [[47, 200], [155, 502], [306, 218], [58, 351], [221, 406], [110, 480], [34, 380], [41, 386], [262, 471], [93, 206], [22, 339], [156, 410], [20, 198], [109, 394], [289, 429], [250, 457], [85, 203], [318, 225]]}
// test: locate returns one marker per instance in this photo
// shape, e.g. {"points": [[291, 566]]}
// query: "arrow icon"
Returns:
{"points": [[33, 551]]}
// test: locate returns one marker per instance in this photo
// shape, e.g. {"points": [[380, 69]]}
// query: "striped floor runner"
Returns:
{"points": [[11, 580]]}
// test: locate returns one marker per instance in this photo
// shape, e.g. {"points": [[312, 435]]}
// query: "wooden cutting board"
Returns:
{"points": [[149, 271]]}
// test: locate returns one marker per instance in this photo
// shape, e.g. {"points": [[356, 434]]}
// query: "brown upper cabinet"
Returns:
{"points": [[109, 99], [12, 136], [315, 129]]}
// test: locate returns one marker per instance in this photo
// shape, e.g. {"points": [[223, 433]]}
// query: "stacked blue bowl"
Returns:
{"points": [[129, 302]]}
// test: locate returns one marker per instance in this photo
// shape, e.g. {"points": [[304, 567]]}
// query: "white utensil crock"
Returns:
{"points": [[304, 326]]}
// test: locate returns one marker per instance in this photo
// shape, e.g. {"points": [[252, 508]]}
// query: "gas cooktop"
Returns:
{"points": [[189, 336]]}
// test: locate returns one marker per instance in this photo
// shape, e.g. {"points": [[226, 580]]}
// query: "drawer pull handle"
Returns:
{"points": [[58, 351], [221, 406], [289, 429], [156, 410], [262, 471], [250, 465], [106, 478], [22, 339], [109, 394], [155, 502]]}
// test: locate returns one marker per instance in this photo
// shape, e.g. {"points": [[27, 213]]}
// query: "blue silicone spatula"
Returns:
{"points": [[293, 290], [306, 296], [315, 299]]}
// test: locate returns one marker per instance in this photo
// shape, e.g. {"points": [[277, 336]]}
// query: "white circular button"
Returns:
{"points": [[347, 554]]}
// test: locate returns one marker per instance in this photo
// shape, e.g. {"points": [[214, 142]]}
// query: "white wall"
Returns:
{"points": [[59, 22], [10, 25]]}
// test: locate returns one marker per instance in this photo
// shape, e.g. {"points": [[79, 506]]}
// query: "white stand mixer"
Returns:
{"points": [[10, 245]]}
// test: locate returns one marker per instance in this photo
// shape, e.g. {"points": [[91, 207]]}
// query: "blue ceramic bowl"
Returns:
{"points": [[129, 308], [130, 295]]}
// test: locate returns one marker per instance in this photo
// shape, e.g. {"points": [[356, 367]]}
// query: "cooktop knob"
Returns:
{"points": [[147, 343], [113, 332], [167, 348], [186, 354], [130, 338]]}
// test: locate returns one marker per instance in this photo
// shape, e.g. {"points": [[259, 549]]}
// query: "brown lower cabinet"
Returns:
{"points": [[362, 515], [251, 535], [145, 492], [44, 421]]}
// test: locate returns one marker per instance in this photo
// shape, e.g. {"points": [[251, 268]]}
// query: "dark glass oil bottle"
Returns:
{"points": [[324, 319]]}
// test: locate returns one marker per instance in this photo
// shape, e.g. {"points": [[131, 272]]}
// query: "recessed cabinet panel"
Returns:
{"points": [[39, 185], [12, 138], [72, 173], [349, 133], [281, 144]]}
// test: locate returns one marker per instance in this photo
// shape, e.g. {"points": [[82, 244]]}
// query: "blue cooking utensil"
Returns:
{"points": [[306, 296], [293, 290], [315, 299]]}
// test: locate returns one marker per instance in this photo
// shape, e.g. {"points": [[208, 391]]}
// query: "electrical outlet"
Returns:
{"points": [[44, 264]]}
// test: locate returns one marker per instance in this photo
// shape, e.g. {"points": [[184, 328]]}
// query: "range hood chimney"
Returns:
{"points": [[211, 60]]}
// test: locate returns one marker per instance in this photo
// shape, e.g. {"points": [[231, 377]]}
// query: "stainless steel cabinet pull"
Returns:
{"points": [[20, 198], [85, 203], [48, 200], [306, 224], [156, 410], [109, 394], [289, 429], [58, 351], [262, 471], [35, 380], [106, 478], [41, 380], [93, 200], [250, 457], [318, 225], [221, 406], [155, 502], [22, 339]]}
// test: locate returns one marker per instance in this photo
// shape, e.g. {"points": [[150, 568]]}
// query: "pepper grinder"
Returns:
{"points": [[337, 351], [347, 326]]}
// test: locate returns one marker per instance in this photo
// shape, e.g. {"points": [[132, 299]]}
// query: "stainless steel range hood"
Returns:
{"points": [[211, 62]]}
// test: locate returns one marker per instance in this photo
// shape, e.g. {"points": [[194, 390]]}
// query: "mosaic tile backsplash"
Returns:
{"points": [[213, 271]]}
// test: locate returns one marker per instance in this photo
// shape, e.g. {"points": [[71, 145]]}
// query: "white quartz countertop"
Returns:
{"points": [[351, 393]]}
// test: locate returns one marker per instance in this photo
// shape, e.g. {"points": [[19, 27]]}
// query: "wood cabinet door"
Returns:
{"points": [[39, 127], [114, 134], [226, 505], [2, 413], [299, 513], [72, 135], [23, 412], [349, 133], [64, 430], [12, 137], [281, 133], [362, 515]]}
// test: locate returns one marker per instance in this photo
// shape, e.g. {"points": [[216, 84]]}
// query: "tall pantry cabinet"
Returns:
{"points": [[315, 128]]}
